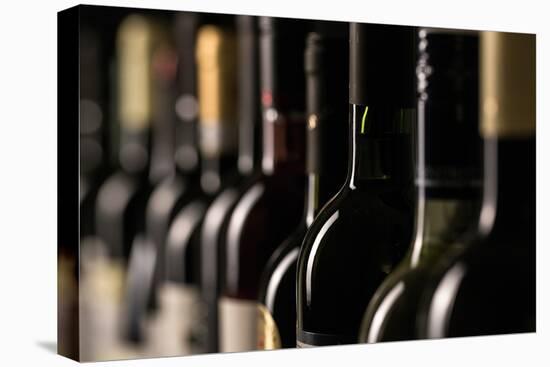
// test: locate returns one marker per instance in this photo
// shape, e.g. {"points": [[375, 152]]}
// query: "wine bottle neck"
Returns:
{"points": [[216, 70], [186, 153], [312, 198], [326, 85], [380, 149], [249, 148], [162, 114], [282, 87], [325, 152], [509, 188], [248, 99], [448, 177], [440, 221], [283, 143]]}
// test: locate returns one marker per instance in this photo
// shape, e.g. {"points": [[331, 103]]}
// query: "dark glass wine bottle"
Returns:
{"points": [[174, 192], [98, 120], [360, 235], [176, 148], [140, 278], [93, 121], [326, 148], [216, 64], [121, 199], [448, 177], [92, 164], [216, 220], [489, 286], [270, 208]]}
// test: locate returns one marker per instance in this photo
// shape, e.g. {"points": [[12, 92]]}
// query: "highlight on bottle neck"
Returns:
{"points": [[215, 55], [449, 145], [508, 85]]}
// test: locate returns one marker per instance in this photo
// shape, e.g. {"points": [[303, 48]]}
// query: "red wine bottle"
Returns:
{"points": [[121, 199], [216, 220], [326, 147], [360, 235], [487, 286], [270, 208], [216, 88]]}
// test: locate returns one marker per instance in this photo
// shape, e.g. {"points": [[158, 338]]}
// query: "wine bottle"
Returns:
{"points": [[270, 208], [182, 185], [70, 45], [359, 236], [93, 132], [93, 164], [488, 287], [98, 122], [216, 220], [448, 177], [121, 198], [96, 109], [180, 292], [326, 87], [164, 196], [174, 192]]}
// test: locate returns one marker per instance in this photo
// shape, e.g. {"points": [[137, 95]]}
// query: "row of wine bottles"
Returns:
{"points": [[226, 205]]}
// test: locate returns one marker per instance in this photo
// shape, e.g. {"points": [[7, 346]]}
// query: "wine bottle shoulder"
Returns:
{"points": [[163, 201], [469, 291], [119, 206], [350, 248], [182, 241], [280, 262], [116, 191], [361, 217], [266, 197], [391, 314], [262, 218]]}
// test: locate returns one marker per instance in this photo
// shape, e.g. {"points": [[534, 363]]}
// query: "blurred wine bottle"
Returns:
{"points": [[360, 235], [216, 88], [78, 54], [326, 68], [97, 126], [270, 208], [121, 199], [489, 286], [93, 129], [448, 177], [168, 194], [216, 220], [159, 304]]}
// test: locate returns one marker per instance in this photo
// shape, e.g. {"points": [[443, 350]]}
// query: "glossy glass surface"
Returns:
{"points": [[326, 143], [448, 178], [489, 288], [361, 234], [392, 313]]}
